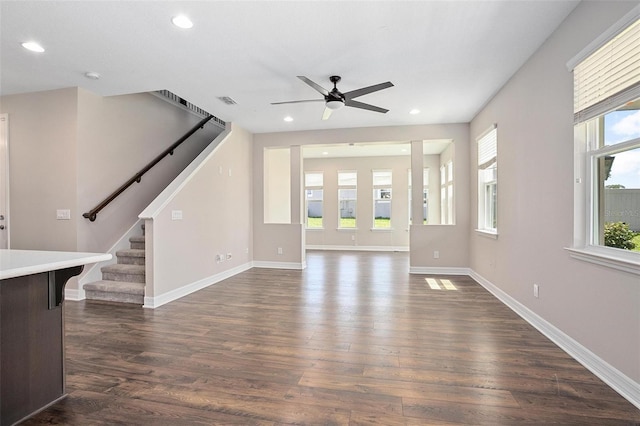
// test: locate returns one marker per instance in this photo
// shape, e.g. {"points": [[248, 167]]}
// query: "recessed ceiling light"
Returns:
{"points": [[288, 119], [325, 153], [181, 21], [33, 46], [92, 75], [414, 111]]}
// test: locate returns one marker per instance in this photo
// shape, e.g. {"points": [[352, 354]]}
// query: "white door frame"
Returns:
{"points": [[5, 240]]}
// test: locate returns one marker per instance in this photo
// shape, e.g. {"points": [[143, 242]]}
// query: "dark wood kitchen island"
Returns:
{"points": [[32, 328]]}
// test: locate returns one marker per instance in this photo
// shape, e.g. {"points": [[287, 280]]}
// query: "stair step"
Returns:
{"points": [[123, 272], [131, 257], [137, 242], [115, 291]]}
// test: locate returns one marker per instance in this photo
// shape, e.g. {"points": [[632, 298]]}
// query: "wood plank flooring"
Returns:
{"points": [[352, 340]]}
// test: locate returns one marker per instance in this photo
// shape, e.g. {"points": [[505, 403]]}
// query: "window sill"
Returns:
{"points": [[382, 229], [487, 234], [346, 229], [627, 262], [315, 229]]}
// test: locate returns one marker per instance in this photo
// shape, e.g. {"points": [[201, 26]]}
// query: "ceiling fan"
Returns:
{"points": [[335, 99]]}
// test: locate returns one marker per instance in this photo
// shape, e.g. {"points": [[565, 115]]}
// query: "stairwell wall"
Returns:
{"points": [[70, 148], [215, 203]]}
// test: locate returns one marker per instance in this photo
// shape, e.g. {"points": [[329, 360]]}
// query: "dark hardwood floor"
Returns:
{"points": [[354, 339]]}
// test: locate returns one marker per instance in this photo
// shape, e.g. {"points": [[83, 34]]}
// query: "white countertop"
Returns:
{"points": [[17, 263]]}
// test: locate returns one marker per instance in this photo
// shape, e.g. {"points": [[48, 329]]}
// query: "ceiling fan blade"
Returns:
{"points": [[316, 86], [362, 105], [370, 89], [297, 102], [327, 113]]}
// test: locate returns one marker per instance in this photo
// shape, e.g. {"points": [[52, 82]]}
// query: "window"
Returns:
{"points": [[313, 182], [446, 193], [381, 199], [347, 199], [488, 181], [607, 141]]}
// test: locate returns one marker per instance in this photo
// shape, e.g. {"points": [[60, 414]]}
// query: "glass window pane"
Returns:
{"points": [[621, 126], [347, 208], [619, 176]]}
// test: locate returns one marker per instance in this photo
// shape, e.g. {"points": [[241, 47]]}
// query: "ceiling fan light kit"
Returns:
{"points": [[335, 99]]}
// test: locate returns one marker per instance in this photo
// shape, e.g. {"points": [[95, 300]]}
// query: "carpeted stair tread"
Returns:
{"points": [[131, 253], [120, 268], [116, 287]]}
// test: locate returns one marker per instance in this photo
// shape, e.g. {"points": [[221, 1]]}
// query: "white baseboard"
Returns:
{"points": [[74, 294], [437, 270], [170, 296], [618, 381], [279, 265], [357, 248]]}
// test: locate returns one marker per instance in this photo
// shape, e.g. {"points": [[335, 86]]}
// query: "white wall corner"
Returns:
{"points": [[618, 381]]}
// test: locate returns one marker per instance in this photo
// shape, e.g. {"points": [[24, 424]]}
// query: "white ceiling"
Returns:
{"points": [[445, 58]]}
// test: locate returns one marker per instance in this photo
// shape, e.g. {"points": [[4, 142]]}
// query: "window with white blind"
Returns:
{"points": [[313, 184], [607, 144], [488, 181]]}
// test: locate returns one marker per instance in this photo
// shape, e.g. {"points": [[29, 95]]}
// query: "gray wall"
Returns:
{"points": [[597, 306]]}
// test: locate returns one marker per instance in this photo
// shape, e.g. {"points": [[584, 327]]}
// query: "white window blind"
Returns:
{"points": [[608, 77], [313, 179], [488, 148]]}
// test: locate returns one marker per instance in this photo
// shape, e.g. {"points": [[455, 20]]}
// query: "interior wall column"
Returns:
{"points": [[417, 183]]}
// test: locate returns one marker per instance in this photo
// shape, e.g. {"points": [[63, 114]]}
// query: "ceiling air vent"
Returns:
{"points": [[227, 100]]}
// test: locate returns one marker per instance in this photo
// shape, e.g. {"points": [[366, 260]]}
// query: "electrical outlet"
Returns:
{"points": [[536, 291], [176, 214], [279, 250], [353, 238], [436, 254]]}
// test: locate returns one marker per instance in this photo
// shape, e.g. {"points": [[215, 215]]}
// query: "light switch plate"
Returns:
{"points": [[63, 214]]}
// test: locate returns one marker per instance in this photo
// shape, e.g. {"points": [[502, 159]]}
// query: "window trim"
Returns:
{"points": [[487, 139], [306, 200]]}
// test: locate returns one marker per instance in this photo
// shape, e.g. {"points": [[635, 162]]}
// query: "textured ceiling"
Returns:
{"points": [[445, 58]]}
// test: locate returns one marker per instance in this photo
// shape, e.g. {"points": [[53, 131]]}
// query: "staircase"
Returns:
{"points": [[124, 281]]}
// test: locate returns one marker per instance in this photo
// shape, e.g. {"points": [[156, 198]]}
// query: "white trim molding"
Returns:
{"points": [[74, 294], [438, 270], [279, 265], [357, 248], [170, 296], [603, 257], [618, 381]]}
